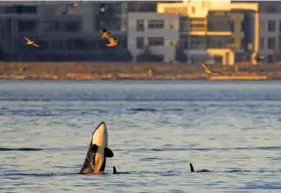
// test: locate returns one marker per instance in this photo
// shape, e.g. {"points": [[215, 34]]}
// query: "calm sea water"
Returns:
{"points": [[155, 129]]}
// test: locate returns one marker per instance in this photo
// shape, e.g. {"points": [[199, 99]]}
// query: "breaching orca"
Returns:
{"points": [[192, 169], [98, 151]]}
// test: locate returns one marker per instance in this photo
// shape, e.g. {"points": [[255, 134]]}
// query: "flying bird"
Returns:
{"points": [[75, 4], [30, 42], [206, 70], [209, 71], [113, 42]]}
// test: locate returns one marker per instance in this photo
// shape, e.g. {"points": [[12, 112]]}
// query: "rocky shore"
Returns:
{"points": [[133, 71]]}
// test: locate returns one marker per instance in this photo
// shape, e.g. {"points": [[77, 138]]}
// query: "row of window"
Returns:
{"points": [[49, 26], [271, 25], [271, 43], [186, 25], [195, 42], [19, 9], [152, 24], [221, 26], [151, 41]]}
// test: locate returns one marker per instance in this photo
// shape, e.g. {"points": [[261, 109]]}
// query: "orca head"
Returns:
{"points": [[100, 135], [99, 148]]}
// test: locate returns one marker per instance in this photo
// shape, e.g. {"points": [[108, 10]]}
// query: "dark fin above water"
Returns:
{"points": [[108, 152], [191, 167], [94, 148], [114, 170]]}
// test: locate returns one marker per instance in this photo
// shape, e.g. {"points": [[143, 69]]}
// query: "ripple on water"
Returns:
{"points": [[229, 131]]}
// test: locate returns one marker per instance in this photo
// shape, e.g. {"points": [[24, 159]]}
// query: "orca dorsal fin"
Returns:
{"points": [[108, 152], [114, 170], [191, 167]]}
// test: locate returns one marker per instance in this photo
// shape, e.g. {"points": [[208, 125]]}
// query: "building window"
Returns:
{"points": [[140, 42], [184, 24], [55, 45], [156, 24], [198, 42], [140, 25], [261, 43], [155, 41], [51, 26], [70, 44], [21, 9], [72, 26], [27, 26], [271, 43], [183, 42], [271, 25], [218, 42], [79, 44]]}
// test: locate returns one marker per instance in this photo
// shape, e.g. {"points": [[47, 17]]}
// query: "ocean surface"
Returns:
{"points": [[156, 128]]}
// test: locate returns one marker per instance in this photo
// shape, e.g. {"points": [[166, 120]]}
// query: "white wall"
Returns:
{"points": [[169, 35], [265, 34]]}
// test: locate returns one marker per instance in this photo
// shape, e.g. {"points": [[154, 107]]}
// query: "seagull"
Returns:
{"points": [[30, 42], [206, 70], [75, 4], [113, 42]]}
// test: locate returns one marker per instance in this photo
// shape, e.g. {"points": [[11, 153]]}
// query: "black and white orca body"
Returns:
{"points": [[98, 151]]}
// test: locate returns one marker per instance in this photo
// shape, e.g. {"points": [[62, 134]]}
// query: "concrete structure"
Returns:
{"points": [[160, 32], [270, 30], [203, 26]]}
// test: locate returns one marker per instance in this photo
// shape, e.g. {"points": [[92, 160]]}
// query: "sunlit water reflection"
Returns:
{"points": [[155, 129]]}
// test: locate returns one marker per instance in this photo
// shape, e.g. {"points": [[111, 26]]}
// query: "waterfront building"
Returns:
{"points": [[63, 32], [207, 30], [158, 32], [270, 30]]}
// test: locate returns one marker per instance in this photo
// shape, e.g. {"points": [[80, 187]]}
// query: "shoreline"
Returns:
{"points": [[132, 71]]}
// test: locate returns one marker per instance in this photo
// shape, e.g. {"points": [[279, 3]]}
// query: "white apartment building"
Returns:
{"points": [[159, 32], [270, 30]]}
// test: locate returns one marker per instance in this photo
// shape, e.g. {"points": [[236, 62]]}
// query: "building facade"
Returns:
{"points": [[158, 32], [270, 30], [206, 30], [220, 30], [63, 32]]}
